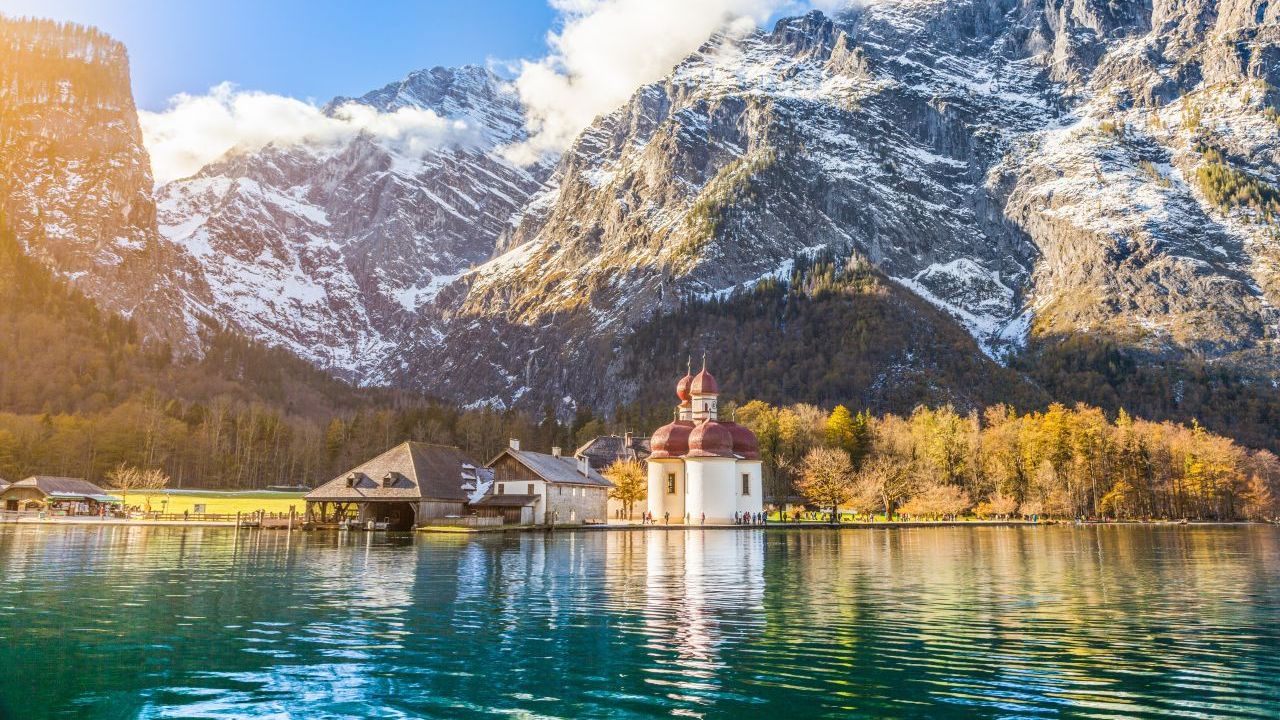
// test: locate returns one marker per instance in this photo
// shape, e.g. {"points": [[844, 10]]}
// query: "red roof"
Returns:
{"points": [[704, 383], [670, 440], [745, 443], [711, 439], [682, 387]]}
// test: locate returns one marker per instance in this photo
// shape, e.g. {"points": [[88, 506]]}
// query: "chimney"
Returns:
{"points": [[555, 451], [515, 443], [584, 466]]}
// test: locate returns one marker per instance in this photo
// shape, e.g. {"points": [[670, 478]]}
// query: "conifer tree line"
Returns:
{"points": [[231, 444], [1062, 462], [81, 393]]}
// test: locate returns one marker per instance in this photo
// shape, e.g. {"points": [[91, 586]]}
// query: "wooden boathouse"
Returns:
{"points": [[403, 487]]}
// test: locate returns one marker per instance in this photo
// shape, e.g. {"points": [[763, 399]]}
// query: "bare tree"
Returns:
{"points": [[890, 479], [827, 479], [125, 477]]}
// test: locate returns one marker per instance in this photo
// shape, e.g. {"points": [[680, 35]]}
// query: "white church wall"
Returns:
{"points": [[659, 500], [753, 500], [711, 489]]}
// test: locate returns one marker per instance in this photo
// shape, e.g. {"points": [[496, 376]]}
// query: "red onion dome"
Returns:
{"points": [[682, 387], [711, 439], [704, 383], [670, 440], [745, 444]]}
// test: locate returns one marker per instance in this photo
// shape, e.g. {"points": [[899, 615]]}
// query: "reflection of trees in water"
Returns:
{"points": [[1050, 615]]}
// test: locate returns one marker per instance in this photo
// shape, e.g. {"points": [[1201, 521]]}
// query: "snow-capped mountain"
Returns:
{"points": [[1027, 170], [1035, 169], [329, 250]]}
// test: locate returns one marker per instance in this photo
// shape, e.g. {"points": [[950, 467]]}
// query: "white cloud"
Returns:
{"points": [[198, 129], [606, 49]]}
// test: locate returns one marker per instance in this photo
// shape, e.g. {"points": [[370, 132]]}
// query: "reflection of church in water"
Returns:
{"points": [[701, 464]]}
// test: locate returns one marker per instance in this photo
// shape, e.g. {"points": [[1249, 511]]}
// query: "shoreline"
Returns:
{"points": [[458, 530]]}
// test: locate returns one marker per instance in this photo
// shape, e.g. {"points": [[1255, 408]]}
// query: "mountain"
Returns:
{"points": [[1036, 171], [75, 179], [912, 201], [329, 250]]}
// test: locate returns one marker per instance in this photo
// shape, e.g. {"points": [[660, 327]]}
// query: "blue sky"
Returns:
{"points": [[309, 50], [253, 72]]}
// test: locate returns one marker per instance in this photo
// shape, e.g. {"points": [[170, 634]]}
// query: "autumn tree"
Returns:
{"points": [[630, 484], [938, 500], [998, 505], [827, 479], [848, 432]]}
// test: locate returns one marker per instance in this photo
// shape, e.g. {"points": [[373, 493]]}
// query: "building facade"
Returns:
{"points": [[408, 485], [74, 496], [703, 468], [561, 490]]}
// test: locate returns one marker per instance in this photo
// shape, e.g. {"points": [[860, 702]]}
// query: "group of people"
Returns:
{"points": [[739, 518]]}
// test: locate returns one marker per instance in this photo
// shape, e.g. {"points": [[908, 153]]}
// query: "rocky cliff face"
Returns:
{"points": [[1033, 169], [1027, 170], [330, 251], [75, 180]]}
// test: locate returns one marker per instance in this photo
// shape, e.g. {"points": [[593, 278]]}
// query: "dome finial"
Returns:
{"points": [[704, 360]]}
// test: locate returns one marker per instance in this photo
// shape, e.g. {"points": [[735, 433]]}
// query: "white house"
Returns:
{"points": [[702, 465]]}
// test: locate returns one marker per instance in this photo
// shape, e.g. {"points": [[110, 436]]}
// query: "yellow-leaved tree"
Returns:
{"points": [[630, 485]]}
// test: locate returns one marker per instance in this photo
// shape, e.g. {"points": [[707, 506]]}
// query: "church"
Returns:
{"points": [[702, 466]]}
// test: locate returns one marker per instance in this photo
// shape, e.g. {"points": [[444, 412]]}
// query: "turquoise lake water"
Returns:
{"points": [[1037, 622]]}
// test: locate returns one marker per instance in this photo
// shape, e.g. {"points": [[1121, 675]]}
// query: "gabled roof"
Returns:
{"points": [[554, 469], [418, 470], [605, 450], [60, 486]]}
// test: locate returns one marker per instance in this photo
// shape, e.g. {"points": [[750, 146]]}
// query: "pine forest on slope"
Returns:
{"points": [[956, 203]]}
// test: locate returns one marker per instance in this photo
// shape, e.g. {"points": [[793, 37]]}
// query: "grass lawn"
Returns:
{"points": [[217, 502]]}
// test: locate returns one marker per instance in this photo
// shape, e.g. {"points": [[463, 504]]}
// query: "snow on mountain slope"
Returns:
{"points": [[75, 179], [330, 251], [1028, 167]]}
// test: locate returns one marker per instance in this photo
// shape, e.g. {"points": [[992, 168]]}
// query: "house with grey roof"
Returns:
{"points": [[557, 489], [403, 487], [605, 450], [45, 492]]}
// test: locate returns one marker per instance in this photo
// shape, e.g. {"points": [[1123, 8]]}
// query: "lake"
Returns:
{"points": [[1036, 622]]}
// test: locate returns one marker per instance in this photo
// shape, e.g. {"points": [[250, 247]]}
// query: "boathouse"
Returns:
{"points": [[556, 489], [403, 487], [75, 496]]}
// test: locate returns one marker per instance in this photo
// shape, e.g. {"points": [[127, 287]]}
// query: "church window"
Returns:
{"points": [[502, 489], [530, 489], [671, 483], [746, 483]]}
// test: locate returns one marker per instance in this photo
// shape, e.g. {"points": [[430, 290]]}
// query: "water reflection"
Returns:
{"points": [[986, 622]]}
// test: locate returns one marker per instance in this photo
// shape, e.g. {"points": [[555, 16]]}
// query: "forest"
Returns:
{"points": [[83, 393], [1062, 462]]}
